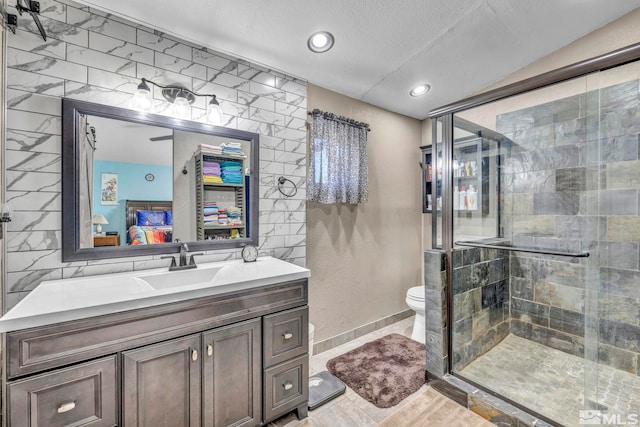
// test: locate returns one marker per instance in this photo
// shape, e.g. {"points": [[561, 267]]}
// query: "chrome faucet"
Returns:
{"points": [[183, 265], [183, 253]]}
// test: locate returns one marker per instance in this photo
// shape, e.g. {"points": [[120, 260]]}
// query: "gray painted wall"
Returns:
{"points": [[100, 58]]}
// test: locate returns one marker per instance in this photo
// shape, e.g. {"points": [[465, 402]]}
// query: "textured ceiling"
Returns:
{"points": [[383, 47]]}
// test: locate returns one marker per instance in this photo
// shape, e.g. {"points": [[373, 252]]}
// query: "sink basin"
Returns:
{"points": [[175, 279]]}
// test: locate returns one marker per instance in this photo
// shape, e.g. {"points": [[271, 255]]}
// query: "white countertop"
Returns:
{"points": [[72, 299]]}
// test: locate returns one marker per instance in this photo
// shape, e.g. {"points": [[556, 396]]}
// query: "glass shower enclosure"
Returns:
{"points": [[540, 222]]}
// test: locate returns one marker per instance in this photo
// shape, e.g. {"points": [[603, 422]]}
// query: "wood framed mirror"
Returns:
{"points": [[133, 183]]}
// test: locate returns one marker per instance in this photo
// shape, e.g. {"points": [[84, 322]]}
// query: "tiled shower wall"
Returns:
{"points": [[571, 182], [100, 58], [480, 302]]}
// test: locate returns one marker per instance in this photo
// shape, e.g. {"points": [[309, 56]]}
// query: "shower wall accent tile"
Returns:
{"points": [[561, 296], [618, 149], [622, 175], [561, 203], [620, 334], [566, 321], [620, 282], [531, 312], [623, 229], [98, 57], [619, 255]]}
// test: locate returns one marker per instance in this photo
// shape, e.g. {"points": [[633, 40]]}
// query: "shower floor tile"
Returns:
{"points": [[552, 382]]}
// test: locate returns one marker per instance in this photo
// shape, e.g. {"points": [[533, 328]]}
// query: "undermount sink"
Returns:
{"points": [[180, 278]]}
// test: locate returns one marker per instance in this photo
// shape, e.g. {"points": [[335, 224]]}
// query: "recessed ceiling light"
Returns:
{"points": [[320, 42], [420, 90]]}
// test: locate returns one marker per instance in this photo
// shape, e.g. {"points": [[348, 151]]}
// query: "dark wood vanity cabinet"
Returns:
{"points": [[230, 360], [161, 384]]}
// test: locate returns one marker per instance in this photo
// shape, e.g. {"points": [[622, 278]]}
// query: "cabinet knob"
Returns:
{"points": [[66, 407], [194, 355], [287, 386], [287, 335], [209, 350]]}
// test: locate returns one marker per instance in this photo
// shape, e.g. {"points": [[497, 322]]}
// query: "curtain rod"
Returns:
{"points": [[341, 119]]}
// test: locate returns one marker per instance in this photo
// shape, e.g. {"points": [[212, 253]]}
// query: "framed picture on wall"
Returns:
{"points": [[109, 189]]}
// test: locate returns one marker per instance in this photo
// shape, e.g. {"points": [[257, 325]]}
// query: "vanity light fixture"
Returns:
{"points": [[420, 90], [181, 99], [320, 42]]}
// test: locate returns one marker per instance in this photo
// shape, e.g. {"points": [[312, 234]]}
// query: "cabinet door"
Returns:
{"points": [[161, 385], [232, 375]]}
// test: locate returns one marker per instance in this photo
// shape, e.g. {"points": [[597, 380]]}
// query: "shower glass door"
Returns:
{"points": [[546, 275]]}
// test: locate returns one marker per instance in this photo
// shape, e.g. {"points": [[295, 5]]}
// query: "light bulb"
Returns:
{"points": [[320, 42], [142, 97], [181, 107], [214, 112], [420, 90]]}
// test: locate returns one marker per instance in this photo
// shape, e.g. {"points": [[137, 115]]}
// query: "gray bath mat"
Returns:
{"points": [[383, 371]]}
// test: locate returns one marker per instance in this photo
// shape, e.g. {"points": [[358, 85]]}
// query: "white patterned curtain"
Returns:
{"points": [[87, 147], [338, 166]]}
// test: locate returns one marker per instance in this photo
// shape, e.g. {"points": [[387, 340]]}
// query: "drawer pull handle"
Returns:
{"points": [[287, 335], [287, 386], [194, 355], [209, 350], [66, 407]]}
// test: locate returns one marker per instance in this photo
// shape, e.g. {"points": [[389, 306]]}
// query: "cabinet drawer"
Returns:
{"points": [[286, 386], [286, 335], [79, 395]]}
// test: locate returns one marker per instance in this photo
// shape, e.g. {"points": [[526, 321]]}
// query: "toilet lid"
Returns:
{"points": [[417, 293]]}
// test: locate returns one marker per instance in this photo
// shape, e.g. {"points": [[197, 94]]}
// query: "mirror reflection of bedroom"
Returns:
{"points": [[152, 185]]}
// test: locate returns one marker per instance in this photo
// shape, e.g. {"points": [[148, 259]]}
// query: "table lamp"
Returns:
{"points": [[99, 220]]}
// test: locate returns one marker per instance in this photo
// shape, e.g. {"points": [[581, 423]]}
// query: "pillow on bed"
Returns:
{"points": [[168, 217], [150, 218], [137, 236]]}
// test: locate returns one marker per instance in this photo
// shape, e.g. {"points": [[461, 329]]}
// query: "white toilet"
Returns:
{"points": [[415, 301]]}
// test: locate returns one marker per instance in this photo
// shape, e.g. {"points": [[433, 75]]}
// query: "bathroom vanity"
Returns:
{"points": [[223, 344]]}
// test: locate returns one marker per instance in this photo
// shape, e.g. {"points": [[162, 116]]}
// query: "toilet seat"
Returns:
{"points": [[416, 293]]}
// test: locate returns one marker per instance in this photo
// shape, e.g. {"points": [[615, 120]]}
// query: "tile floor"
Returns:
{"points": [[552, 382], [349, 409]]}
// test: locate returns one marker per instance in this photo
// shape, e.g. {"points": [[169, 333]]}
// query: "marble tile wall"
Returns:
{"points": [[480, 302], [572, 182], [96, 57]]}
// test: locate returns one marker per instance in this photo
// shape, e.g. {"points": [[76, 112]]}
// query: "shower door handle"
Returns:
{"points": [[524, 249]]}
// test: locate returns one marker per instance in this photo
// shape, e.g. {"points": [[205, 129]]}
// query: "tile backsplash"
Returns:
{"points": [[100, 58]]}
